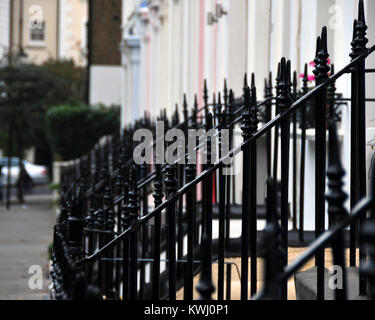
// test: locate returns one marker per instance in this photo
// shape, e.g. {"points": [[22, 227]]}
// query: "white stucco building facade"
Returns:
{"points": [[4, 26], [170, 46]]}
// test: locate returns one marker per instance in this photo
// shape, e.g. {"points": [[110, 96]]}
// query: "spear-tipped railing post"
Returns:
{"points": [[158, 199], [254, 121], [125, 224], [295, 164], [246, 133], [190, 172], [268, 95], [170, 183], [277, 127], [119, 191], [205, 286], [230, 178], [284, 102], [133, 213], [205, 99], [336, 198], [222, 199], [272, 265], [368, 241], [353, 151], [321, 73], [109, 228], [305, 90], [360, 42], [194, 119]]}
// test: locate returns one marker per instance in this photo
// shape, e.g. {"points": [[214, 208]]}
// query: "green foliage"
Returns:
{"points": [[74, 129], [27, 91], [54, 186]]}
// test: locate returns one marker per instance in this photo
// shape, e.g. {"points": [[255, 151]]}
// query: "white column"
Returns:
{"points": [[237, 44], [259, 13], [280, 34]]}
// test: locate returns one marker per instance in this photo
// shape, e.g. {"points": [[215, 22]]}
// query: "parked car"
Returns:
{"points": [[37, 174]]}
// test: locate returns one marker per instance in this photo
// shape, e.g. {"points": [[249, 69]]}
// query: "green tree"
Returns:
{"points": [[74, 129], [27, 91]]}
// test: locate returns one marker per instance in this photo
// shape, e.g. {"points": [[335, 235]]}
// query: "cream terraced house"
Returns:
{"points": [[4, 27], [49, 29], [170, 46]]}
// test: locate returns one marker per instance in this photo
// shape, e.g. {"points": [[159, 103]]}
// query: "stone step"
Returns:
{"points": [[306, 285]]}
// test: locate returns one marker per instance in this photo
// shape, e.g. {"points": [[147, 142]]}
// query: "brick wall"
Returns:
{"points": [[106, 32]]}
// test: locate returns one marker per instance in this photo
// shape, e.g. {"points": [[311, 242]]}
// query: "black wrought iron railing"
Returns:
{"points": [[112, 242]]}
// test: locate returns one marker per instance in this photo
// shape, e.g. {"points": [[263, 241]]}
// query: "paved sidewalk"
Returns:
{"points": [[25, 234]]}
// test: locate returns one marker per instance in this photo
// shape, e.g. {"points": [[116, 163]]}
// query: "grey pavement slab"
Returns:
{"points": [[25, 234]]}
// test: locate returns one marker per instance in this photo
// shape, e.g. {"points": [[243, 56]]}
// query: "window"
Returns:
{"points": [[37, 33], [14, 162]]}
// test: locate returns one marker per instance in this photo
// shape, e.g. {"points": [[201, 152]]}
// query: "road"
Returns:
{"points": [[25, 234]]}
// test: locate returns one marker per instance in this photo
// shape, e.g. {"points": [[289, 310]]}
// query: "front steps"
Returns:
{"points": [[306, 286]]}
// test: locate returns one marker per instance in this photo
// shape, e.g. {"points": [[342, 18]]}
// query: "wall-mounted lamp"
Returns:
{"points": [[211, 19], [220, 11]]}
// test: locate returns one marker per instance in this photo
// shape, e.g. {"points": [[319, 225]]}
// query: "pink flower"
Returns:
{"points": [[310, 78]]}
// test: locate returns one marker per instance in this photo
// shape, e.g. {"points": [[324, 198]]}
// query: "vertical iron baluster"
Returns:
{"points": [[99, 225], [110, 224], [205, 99], [361, 42], [229, 118], [321, 73], [368, 240], [284, 100], [90, 239], [194, 125], [277, 127], [272, 264], [194, 118], [246, 133], [191, 213], [336, 211], [305, 90], [353, 152], [180, 222], [253, 187], [222, 198], [216, 111], [133, 210], [125, 222], [268, 96], [119, 191], [143, 231], [294, 117], [158, 196], [170, 183], [205, 286], [206, 111]]}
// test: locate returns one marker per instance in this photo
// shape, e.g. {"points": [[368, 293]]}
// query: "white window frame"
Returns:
{"points": [[38, 43]]}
